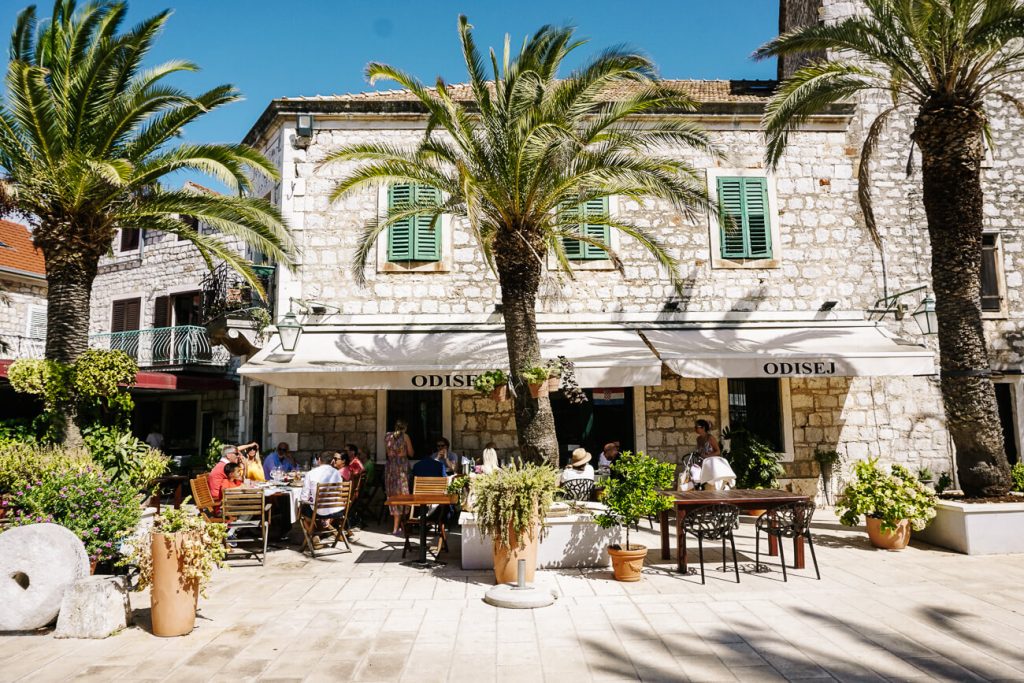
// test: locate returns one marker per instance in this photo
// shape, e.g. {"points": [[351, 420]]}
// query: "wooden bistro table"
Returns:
{"points": [[422, 500], [745, 499]]}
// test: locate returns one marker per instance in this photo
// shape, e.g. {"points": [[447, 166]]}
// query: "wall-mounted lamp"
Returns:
{"points": [[289, 329], [304, 125], [925, 317]]}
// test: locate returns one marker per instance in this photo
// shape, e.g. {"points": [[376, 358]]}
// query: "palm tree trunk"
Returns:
{"points": [[951, 142], [519, 274]]}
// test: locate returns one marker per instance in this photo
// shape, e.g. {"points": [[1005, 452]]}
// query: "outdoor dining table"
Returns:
{"points": [[413, 501], [744, 499], [272, 490]]}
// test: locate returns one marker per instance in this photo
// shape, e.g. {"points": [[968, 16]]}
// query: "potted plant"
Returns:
{"points": [[554, 368], [1017, 477], [945, 482], [926, 477], [176, 559], [536, 379], [827, 459], [754, 460], [509, 505], [459, 486], [892, 503], [629, 495], [493, 383]]}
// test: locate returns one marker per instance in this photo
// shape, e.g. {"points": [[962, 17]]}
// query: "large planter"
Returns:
{"points": [[627, 565], [976, 528], [888, 540], [506, 560], [173, 601]]}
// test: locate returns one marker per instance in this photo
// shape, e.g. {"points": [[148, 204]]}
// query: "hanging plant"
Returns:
{"points": [[536, 378], [567, 380], [493, 383]]}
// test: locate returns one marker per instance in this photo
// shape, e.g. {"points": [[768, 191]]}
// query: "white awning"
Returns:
{"points": [[444, 359], [807, 351]]}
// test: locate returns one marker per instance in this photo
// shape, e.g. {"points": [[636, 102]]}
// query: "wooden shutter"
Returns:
{"points": [[35, 327], [598, 232], [125, 316], [991, 298], [573, 248], [400, 246], [426, 230], [162, 312], [743, 209]]}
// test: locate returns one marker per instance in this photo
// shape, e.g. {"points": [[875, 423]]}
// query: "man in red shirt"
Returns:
{"points": [[217, 476]]}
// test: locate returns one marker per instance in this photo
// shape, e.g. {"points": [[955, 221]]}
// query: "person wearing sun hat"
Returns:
{"points": [[578, 468]]}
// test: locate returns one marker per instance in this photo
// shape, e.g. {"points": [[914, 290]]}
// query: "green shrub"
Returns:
{"points": [[633, 493], [515, 499], [753, 459], [538, 374], [100, 511], [1017, 475], [890, 498], [17, 432], [125, 458], [24, 463]]}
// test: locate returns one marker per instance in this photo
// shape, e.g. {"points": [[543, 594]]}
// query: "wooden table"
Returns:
{"points": [[422, 500], [745, 499], [176, 482]]}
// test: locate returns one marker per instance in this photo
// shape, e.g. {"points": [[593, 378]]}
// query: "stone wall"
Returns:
{"points": [[672, 408], [477, 420], [312, 420], [21, 293]]}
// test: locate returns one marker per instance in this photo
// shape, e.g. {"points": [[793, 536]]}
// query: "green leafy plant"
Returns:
{"points": [[100, 511], [633, 492], [458, 484], [826, 458], [513, 500], [753, 459], [202, 547], [944, 483], [925, 475], [209, 459], [124, 457], [25, 463], [1017, 476], [890, 497], [536, 374], [17, 431], [488, 381]]}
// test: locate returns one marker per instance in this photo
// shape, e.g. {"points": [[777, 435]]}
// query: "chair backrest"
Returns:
{"points": [[335, 495], [578, 489], [712, 521], [201, 493], [430, 485], [357, 484], [790, 519], [238, 502]]}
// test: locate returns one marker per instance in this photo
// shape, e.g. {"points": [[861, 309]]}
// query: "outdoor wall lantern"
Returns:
{"points": [[304, 125], [289, 329], [925, 316]]}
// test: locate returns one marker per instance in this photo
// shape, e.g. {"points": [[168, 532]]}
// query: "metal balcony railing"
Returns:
{"points": [[165, 346], [22, 347]]}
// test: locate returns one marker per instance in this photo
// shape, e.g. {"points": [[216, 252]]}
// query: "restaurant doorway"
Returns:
{"points": [[606, 416], [422, 412]]}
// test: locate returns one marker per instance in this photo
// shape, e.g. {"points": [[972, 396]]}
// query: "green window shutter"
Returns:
{"points": [[400, 234], [426, 231], [596, 232], [743, 209], [573, 248]]}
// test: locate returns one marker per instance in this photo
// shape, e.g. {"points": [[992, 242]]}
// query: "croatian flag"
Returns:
{"points": [[609, 397]]}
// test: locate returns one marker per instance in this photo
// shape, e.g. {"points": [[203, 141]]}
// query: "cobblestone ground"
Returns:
{"points": [[918, 614]]}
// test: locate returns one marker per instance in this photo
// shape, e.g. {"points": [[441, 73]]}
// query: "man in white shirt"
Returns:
{"points": [[578, 468], [155, 439], [324, 473]]}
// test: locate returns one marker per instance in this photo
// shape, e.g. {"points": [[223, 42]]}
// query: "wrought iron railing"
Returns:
{"points": [[14, 346], [165, 346], [226, 293]]}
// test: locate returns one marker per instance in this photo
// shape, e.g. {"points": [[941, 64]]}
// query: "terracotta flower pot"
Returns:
{"points": [[538, 390], [888, 540], [506, 562], [173, 600], [500, 394], [554, 383], [627, 565]]}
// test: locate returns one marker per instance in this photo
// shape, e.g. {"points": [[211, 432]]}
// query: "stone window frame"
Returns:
{"points": [[715, 227], [128, 252], [788, 454], [443, 265], [1003, 311]]}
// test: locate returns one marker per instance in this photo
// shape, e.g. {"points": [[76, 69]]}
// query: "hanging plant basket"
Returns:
{"points": [[493, 384], [500, 394], [538, 389], [554, 383]]}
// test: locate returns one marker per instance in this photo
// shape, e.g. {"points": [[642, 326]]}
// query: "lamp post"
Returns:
{"points": [[925, 316], [289, 329]]}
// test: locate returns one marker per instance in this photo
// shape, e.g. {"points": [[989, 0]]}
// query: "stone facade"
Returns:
{"points": [[672, 408], [478, 420], [23, 295], [313, 420]]}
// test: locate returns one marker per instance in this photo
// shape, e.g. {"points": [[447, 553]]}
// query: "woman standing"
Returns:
{"points": [[707, 445], [396, 478]]}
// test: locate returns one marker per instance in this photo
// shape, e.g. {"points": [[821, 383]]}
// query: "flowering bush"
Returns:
{"points": [[101, 512], [26, 463], [889, 497]]}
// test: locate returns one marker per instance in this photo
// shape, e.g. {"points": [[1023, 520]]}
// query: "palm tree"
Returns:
{"points": [[86, 137], [516, 158], [945, 61]]}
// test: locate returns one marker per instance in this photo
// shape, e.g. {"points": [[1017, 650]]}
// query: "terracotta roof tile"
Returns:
{"points": [[17, 251]]}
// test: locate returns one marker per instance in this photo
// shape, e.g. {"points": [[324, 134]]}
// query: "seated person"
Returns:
{"points": [[282, 458], [253, 466], [452, 460], [341, 465], [352, 459], [324, 473], [490, 459], [430, 467], [229, 455], [578, 467], [609, 454]]}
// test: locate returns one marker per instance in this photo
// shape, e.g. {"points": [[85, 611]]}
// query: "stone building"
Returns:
{"points": [[22, 309]]}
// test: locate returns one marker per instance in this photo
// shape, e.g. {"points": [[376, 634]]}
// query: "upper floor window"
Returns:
{"points": [[190, 221], [992, 283], [129, 239], [744, 220], [598, 232], [35, 326], [417, 237]]}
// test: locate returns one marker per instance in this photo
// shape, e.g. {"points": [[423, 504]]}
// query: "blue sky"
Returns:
{"points": [[271, 49]]}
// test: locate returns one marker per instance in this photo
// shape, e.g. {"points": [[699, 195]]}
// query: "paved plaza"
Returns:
{"points": [[921, 614]]}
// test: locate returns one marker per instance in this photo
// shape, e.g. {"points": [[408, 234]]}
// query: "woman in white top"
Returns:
{"points": [[490, 459], [578, 467]]}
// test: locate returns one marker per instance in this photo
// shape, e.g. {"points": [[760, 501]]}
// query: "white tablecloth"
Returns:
{"points": [[292, 492], [716, 472]]}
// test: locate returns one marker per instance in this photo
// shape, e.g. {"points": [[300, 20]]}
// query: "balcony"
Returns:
{"points": [[166, 348], [22, 347]]}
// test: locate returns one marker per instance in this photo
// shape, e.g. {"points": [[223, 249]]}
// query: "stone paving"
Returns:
{"points": [[921, 614]]}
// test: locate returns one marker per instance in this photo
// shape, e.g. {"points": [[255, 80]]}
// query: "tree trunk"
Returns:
{"points": [[951, 142], [519, 272]]}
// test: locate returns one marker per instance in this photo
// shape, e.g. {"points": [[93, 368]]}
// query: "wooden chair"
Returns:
{"points": [[245, 509], [204, 499], [355, 516], [319, 525], [427, 486]]}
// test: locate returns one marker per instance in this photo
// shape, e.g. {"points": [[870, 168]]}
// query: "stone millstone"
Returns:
{"points": [[38, 563], [508, 596], [94, 607]]}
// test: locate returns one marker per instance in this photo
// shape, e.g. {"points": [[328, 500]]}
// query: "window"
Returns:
{"points": [[124, 317], [418, 237], [583, 251], [190, 221], [35, 327], [991, 273], [129, 239], [745, 225], [756, 405]]}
